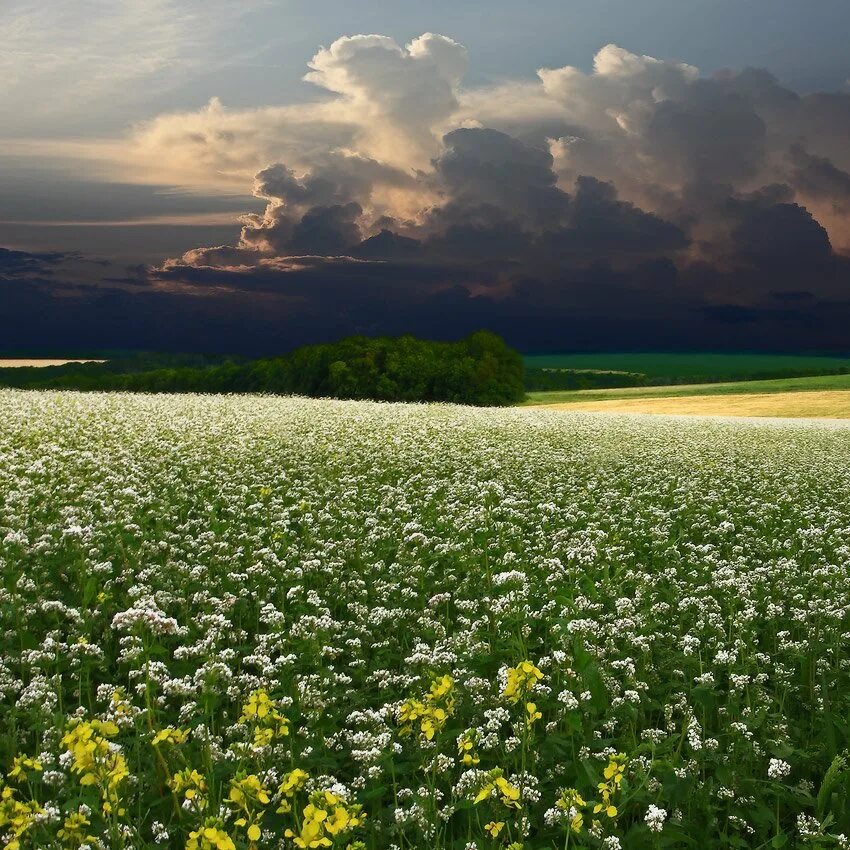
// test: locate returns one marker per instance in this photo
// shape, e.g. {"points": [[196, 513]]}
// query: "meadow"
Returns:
{"points": [[819, 396], [695, 367], [254, 622]]}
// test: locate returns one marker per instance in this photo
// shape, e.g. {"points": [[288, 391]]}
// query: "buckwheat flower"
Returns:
{"points": [[778, 769], [807, 826], [147, 614], [655, 736], [655, 818]]}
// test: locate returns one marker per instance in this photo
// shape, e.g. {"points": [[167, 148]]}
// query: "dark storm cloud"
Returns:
{"points": [[601, 225], [711, 135], [268, 309], [781, 237], [640, 204], [818, 178], [483, 168], [17, 263]]}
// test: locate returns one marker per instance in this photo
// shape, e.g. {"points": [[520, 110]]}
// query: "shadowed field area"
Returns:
{"points": [[696, 367], [828, 404]]}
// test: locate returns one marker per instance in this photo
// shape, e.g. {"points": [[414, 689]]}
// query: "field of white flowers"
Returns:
{"points": [[273, 623]]}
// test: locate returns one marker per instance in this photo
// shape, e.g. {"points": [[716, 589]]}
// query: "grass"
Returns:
{"points": [[819, 383], [696, 367]]}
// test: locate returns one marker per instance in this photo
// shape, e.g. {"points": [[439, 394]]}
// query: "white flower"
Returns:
{"points": [[655, 818], [778, 769]]}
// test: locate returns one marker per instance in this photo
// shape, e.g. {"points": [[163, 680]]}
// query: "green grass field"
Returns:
{"points": [[780, 385], [693, 367]]}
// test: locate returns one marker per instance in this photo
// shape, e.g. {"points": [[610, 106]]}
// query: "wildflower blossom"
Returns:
{"points": [[496, 785], [778, 769], [521, 681], [210, 837], [655, 818]]}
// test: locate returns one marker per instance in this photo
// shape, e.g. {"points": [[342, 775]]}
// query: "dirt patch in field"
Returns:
{"points": [[826, 404]]}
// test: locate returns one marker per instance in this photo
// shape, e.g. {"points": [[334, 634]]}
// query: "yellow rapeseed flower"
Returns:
{"points": [[521, 681], [494, 828], [170, 735], [22, 765], [509, 795], [532, 714], [210, 837]]}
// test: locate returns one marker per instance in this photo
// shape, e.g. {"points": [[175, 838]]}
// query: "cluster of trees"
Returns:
{"points": [[477, 370], [580, 379]]}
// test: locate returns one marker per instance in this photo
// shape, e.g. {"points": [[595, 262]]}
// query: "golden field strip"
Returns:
{"points": [[825, 404], [18, 363]]}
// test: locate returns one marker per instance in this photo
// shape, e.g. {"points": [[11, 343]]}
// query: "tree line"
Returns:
{"points": [[477, 370]]}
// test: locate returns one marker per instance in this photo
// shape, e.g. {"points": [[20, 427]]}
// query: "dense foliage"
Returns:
{"points": [[478, 370], [254, 623], [550, 378], [101, 370]]}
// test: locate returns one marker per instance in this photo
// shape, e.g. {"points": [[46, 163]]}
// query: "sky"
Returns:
{"points": [[244, 176]]}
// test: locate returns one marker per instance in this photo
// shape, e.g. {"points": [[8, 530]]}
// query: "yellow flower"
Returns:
{"points": [[105, 727], [21, 765], [466, 748], [509, 795], [485, 791], [431, 715], [293, 782], [532, 714], [247, 789], [613, 775], [261, 712], [169, 735], [120, 705], [433, 722], [521, 681], [258, 706], [615, 769], [210, 837], [441, 689], [325, 817], [16, 817], [410, 712], [312, 829], [192, 785], [494, 828], [338, 822], [97, 762], [74, 831]]}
